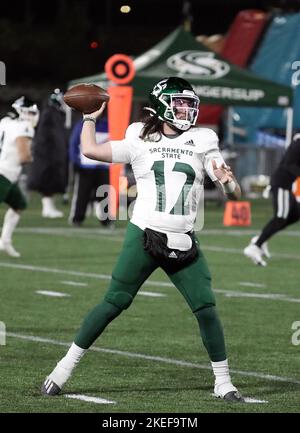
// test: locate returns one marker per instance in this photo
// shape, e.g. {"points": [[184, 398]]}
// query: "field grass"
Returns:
{"points": [[136, 361]]}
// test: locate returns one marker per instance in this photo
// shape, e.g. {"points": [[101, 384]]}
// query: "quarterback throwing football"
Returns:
{"points": [[169, 157]]}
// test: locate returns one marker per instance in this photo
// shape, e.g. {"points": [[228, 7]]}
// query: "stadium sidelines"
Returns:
{"points": [[160, 359], [227, 293]]}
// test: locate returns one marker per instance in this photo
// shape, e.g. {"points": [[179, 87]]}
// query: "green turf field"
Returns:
{"points": [[151, 358]]}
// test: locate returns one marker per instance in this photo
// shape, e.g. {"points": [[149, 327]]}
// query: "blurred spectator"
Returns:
{"points": [[89, 174], [48, 173]]}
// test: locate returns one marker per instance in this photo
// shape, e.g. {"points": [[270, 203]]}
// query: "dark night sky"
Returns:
{"points": [[46, 44]]}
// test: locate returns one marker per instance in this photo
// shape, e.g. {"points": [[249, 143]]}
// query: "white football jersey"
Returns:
{"points": [[10, 129], [169, 175]]}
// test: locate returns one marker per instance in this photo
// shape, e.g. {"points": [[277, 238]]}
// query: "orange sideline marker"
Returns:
{"points": [[119, 69], [237, 213]]}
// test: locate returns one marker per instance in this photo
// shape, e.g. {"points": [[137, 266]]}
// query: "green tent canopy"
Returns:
{"points": [[215, 80]]}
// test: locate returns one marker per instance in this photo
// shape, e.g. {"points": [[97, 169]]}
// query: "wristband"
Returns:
{"points": [[89, 119], [229, 187]]}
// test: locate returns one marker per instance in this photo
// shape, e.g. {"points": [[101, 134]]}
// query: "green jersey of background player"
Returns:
{"points": [[16, 133], [168, 154]]}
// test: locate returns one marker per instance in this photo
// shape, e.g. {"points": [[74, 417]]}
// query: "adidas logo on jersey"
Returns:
{"points": [[190, 143], [173, 255]]}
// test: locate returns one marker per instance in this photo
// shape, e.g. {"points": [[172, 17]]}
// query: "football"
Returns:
{"points": [[86, 98]]}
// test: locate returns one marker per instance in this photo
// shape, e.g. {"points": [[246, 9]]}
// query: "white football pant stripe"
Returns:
{"points": [[286, 203], [280, 203], [283, 202]]}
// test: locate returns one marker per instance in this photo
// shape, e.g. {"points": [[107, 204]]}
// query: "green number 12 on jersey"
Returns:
{"points": [[180, 207]]}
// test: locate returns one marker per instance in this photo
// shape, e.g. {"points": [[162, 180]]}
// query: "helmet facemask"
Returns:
{"points": [[181, 109]]}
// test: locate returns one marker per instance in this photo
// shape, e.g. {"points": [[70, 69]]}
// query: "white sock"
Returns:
{"points": [[66, 365], [73, 356], [221, 371], [10, 222], [47, 203]]}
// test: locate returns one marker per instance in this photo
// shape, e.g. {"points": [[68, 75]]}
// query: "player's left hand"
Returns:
{"points": [[223, 173]]}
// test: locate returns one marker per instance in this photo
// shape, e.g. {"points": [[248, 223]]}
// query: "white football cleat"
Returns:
{"points": [[255, 253], [56, 380], [228, 392], [264, 247], [9, 249], [52, 213]]}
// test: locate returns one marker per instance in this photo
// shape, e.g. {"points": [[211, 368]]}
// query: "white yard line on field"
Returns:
{"points": [[152, 294], [254, 400], [248, 284], [74, 283], [70, 230], [89, 399], [222, 250], [51, 293], [90, 234], [178, 362], [272, 296], [53, 270], [228, 293], [250, 400], [238, 232]]}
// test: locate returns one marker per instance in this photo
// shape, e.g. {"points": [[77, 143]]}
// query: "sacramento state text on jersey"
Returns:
{"points": [[167, 152]]}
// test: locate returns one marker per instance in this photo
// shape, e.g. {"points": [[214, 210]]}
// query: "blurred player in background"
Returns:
{"points": [[49, 171], [16, 134], [285, 206], [169, 157], [88, 174]]}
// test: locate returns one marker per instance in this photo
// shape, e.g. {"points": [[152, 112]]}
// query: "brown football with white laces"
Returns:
{"points": [[86, 98]]}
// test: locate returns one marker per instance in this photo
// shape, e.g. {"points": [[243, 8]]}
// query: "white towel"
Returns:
{"points": [[179, 241]]}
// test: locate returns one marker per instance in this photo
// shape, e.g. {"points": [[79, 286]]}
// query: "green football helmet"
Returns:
{"points": [[174, 101]]}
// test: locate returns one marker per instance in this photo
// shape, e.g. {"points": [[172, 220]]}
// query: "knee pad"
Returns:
{"points": [[206, 313], [118, 294]]}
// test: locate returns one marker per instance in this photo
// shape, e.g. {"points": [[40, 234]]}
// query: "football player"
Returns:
{"points": [[169, 155], [16, 133], [285, 206]]}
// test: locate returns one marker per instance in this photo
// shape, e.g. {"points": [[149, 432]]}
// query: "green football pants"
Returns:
{"points": [[11, 194], [135, 265]]}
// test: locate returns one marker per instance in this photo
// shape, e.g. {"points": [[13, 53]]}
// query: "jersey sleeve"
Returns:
{"points": [[212, 153], [23, 129], [123, 151]]}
